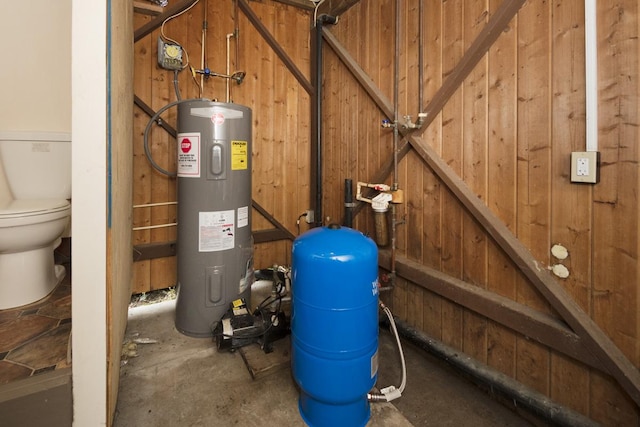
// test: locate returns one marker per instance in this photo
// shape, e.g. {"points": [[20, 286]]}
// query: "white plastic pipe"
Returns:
{"points": [[591, 74]]}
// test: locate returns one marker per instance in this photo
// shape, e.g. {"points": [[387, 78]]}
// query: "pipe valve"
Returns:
{"points": [[408, 124], [385, 195], [386, 123]]}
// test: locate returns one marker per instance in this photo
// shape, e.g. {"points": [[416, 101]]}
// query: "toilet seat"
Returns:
{"points": [[30, 207]]}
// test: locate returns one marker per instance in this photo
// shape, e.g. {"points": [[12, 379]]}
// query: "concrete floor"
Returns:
{"points": [[183, 381]]}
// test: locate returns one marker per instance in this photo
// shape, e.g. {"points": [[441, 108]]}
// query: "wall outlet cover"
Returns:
{"points": [[585, 167]]}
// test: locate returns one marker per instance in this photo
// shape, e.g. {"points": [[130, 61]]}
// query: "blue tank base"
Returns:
{"points": [[320, 414]]}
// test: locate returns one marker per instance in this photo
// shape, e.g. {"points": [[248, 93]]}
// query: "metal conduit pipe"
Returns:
{"points": [[497, 382], [320, 21], [394, 186], [420, 60]]}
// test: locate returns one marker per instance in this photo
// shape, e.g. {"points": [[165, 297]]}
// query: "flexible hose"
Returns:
{"points": [[154, 118], [390, 393]]}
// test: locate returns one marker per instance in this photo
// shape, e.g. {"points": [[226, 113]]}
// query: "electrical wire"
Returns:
{"points": [[169, 39], [315, 10]]}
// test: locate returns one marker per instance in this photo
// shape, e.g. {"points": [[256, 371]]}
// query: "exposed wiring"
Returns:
{"points": [[315, 10], [165, 38]]}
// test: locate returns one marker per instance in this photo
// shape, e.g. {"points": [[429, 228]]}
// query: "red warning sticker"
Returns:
{"points": [[189, 154]]}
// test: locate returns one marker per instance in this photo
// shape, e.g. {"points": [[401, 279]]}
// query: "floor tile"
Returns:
{"points": [[44, 351], [59, 309], [23, 329], [7, 315], [10, 372]]}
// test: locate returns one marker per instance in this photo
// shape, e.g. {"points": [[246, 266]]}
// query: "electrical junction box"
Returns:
{"points": [[585, 167], [169, 55]]}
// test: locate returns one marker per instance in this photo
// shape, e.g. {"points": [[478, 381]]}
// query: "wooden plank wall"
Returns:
{"points": [[508, 132], [119, 263], [281, 114]]}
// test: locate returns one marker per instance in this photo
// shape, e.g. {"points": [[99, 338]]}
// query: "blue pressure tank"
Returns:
{"points": [[334, 325]]}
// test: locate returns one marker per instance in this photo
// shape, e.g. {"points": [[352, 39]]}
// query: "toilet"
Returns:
{"points": [[35, 188]]}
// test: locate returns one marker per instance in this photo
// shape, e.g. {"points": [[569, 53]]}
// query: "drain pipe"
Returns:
{"points": [[320, 21], [497, 382], [348, 203]]}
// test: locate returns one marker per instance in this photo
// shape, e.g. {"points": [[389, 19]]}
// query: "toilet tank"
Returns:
{"points": [[37, 165]]}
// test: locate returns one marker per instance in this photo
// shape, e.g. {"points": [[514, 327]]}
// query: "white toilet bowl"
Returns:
{"points": [[34, 213], [29, 232]]}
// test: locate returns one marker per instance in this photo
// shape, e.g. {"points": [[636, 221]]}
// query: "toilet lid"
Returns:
{"points": [[26, 207]]}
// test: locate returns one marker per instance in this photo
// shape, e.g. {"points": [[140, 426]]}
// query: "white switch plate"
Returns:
{"points": [[585, 167]]}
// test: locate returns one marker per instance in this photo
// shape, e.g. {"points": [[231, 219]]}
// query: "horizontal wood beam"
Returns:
{"points": [[272, 235], [149, 251], [277, 48], [600, 345], [532, 324]]}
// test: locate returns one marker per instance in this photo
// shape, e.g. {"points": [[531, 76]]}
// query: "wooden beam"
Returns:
{"points": [[271, 41], [272, 235], [496, 25], [150, 112], [498, 22], [302, 4], [601, 346], [329, 7], [148, 251], [383, 103], [147, 8], [272, 220], [170, 10], [336, 7], [533, 324]]}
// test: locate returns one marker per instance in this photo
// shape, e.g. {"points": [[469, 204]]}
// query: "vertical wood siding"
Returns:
{"points": [[281, 117], [508, 131]]}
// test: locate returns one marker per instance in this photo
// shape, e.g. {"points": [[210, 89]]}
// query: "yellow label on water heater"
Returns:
{"points": [[239, 155]]}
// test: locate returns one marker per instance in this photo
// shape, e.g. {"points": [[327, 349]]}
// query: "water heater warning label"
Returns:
{"points": [[239, 155], [189, 155], [216, 231]]}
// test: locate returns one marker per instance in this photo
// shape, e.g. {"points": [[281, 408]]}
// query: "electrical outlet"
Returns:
{"points": [[310, 218], [585, 167]]}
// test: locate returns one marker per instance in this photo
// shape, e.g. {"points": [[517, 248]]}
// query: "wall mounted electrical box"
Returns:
{"points": [[585, 167], [169, 55]]}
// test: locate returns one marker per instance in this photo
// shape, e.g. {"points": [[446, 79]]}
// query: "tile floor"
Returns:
{"points": [[35, 338]]}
